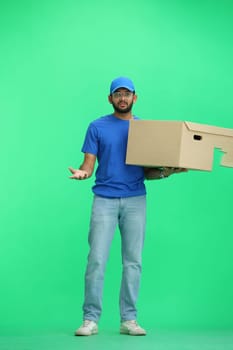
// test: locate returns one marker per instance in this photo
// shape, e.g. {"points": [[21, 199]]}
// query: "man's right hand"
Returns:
{"points": [[78, 174]]}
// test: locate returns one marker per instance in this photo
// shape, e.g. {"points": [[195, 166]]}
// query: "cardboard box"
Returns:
{"points": [[177, 144]]}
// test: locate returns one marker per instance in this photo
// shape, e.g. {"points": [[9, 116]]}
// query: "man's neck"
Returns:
{"points": [[124, 116]]}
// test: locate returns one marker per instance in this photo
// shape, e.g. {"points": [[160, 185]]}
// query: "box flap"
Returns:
{"points": [[208, 129]]}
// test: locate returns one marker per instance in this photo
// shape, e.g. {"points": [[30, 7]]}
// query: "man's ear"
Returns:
{"points": [[135, 97], [110, 99]]}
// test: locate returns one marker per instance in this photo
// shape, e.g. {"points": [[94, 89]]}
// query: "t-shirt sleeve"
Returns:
{"points": [[90, 144]]}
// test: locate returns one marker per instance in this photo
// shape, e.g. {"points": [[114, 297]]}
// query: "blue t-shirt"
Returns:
{"points": [[106, 138]]}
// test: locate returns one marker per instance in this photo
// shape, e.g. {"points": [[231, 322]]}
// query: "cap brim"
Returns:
{"points": [[122, 87]]}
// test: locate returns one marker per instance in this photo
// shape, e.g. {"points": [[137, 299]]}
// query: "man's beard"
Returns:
{"points": [[123, 110]]}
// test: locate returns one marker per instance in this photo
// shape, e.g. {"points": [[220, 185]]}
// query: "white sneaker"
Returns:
{"points": [[87, 328], [131, 328]]}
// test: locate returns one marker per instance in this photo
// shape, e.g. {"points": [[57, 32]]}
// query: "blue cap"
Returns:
{"points": [[121, 82]]}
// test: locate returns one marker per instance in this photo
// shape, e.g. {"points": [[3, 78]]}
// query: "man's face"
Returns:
{"points": [[122, 100]]}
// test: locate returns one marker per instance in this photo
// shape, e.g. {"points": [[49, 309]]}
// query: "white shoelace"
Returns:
{"points": [[86, 323], [134, 324]]}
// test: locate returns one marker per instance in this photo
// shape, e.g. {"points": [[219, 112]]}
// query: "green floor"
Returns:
{"points": [[112, 340]]}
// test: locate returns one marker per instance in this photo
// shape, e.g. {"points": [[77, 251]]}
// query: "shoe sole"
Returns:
{"points": [[125, 332], [86, 335]]}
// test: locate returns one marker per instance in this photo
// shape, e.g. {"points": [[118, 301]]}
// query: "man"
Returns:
{"points": [[119, 199]]}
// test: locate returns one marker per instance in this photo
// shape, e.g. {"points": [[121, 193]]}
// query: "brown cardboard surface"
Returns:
{"points": [[177, 144]]}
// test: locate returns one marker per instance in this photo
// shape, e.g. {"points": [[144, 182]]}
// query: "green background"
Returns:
{"points": [[57, 59]]}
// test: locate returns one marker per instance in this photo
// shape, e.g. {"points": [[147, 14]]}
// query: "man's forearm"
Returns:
{"points": [[153, 173], [88, 164], [161, 173], [88, 169]]}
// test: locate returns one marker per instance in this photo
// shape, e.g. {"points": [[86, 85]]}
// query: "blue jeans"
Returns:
{"points": [[130, 214]]}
